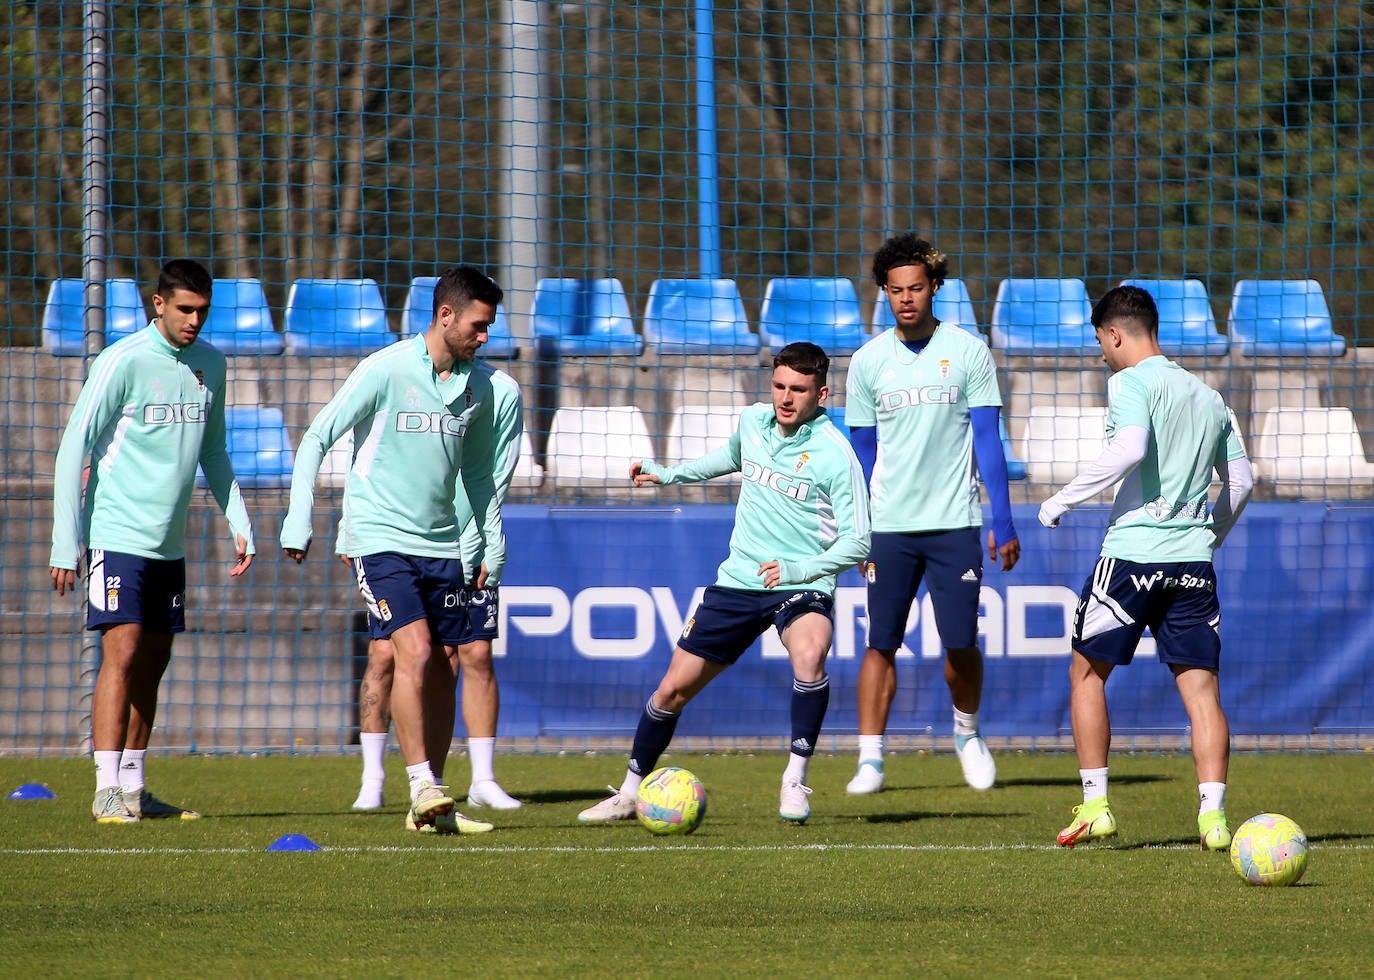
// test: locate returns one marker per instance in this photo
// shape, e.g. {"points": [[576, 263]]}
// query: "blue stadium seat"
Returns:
{"points": [[952, 305], [420, 310], [697, 316], [837, 417], [336, 316], [240, 321], [1044, 317], [1282, 318], [64, 332], [823, 311], [585, 317], [259, 447], [1016, 468], [1186, 325]]}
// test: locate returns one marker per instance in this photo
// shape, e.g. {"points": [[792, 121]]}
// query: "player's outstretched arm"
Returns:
{"points": [[640, 478], [1123, 454]]}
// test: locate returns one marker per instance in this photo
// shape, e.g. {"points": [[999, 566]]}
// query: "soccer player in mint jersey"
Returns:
{"points": [[802, 518], [922, 403], [149, 414], [1167, 432], [423, 423], [481, 697]]}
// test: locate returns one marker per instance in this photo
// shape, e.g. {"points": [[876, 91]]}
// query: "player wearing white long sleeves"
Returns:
{"points": [[1167, 434]]}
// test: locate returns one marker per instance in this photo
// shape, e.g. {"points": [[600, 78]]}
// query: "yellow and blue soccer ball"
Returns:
{"points": [[671, 800], [1269, 849]]}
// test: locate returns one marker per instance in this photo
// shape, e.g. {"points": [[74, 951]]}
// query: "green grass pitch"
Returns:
{"points": [[928, 878]]}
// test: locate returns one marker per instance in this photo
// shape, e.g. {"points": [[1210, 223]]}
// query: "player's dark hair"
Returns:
{"points": [[462, 284], [186, 274], [804, 358], [1127, 303], [900, 250]]}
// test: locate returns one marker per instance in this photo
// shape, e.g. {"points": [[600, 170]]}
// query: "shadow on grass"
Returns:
{"points": [[913, 816], [1124, 780]]}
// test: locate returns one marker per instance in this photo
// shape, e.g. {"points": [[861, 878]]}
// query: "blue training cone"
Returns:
{"points": [[32, 791], [293, 842]]}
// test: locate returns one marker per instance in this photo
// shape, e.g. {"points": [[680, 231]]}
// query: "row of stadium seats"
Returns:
{"points": [[1301, 451], [1268, 317]]}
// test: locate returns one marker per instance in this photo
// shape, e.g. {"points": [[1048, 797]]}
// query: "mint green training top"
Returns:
{"points": [[415, 438], [147, 416], [802, 501]]}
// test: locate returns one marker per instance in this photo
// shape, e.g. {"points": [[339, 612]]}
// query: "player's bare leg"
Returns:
{"points": [[110, 719], [481, 708], [374, 721], [807, 640], [440, 707], [411, 644], [1092, 740], [150, 662], [686, 676], [877, 689], [964, 677], [1201, 694]]}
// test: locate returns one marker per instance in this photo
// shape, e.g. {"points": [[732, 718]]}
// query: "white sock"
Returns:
{"points": [[374, 757], [106, 769], [131, 770], [1094, 783], [1212, 796], [630, 787], [870, 749], [418, 774], [965, 722], [481, 751], [796, 767]]}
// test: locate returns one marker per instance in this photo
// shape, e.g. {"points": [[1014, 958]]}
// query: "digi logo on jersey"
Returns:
{"points": [[440, 422], [193, 412], [777, 482], [892, 401]]}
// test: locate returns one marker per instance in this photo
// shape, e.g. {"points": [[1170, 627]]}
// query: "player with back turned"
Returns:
{"points": [[1167, 432]]}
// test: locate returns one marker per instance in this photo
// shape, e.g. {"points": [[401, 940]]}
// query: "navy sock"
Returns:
{"points": [[809, 701], [655, 731]]}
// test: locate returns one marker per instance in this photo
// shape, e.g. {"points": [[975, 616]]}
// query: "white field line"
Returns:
{"points": [[664, 848]]}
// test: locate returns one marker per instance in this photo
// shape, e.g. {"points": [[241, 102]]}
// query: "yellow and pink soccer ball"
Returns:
{"points": [[671, 800], [1269, 849]]}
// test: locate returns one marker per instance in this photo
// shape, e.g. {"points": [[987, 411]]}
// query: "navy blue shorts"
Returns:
{"points": [[950, 563], [728, 620], [128, 589], [1176, 600], [403, 589], [482, 613]]}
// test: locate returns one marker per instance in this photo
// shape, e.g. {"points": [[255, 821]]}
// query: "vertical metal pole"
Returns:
{"points": [[95, 194], [524, 127], [95, 190], [708, 187]]}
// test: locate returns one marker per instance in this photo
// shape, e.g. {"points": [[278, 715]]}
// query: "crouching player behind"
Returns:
{"points": [[802, 518]]}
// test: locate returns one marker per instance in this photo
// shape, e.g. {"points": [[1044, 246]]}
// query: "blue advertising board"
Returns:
{"points": [[594, 599]]}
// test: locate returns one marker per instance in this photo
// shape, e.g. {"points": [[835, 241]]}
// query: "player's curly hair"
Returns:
{"points": [[907, 249]]}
